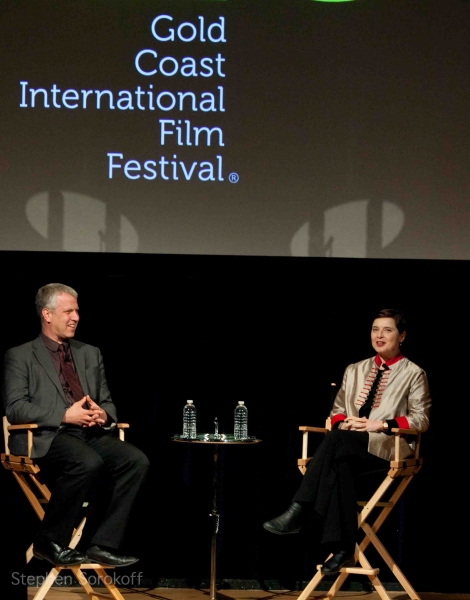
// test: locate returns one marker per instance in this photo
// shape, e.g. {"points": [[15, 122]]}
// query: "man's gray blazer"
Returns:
{"points": [[32, 392]]}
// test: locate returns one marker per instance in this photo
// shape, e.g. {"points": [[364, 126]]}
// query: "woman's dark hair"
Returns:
{"points": [[394, 314]]}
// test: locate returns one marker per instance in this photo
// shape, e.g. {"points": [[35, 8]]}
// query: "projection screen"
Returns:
{"points": [[236, 127]]}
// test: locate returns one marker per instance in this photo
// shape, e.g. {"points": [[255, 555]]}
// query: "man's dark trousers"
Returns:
{"points": [[91, 465]]}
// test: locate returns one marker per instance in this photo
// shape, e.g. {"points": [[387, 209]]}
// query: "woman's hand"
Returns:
{"points": [[361, 424]]}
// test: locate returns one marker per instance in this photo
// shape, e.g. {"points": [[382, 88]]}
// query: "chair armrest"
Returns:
{"points": [[121, 427], [26, 426], [306, 430], [402, 431], [313, 429], [399, 431]]}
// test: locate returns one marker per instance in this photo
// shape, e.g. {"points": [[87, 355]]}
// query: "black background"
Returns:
{"points": [[274, 332]]}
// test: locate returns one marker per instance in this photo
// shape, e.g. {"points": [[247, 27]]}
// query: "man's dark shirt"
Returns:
{"points": [[53, 348]]}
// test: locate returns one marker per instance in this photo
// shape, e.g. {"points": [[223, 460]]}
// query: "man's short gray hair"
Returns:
{"points": [[46, 296]]}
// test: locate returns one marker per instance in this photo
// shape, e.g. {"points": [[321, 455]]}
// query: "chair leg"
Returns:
{"points": [[30, 495], [392, 565], [338, 582], [113, 590], [29, 554], [311, 586], [379, 588], [374, 579], [404, 483], [77, 534], [104, 577], [46, 584], [370, 537], [82, 580], [43, 489]]}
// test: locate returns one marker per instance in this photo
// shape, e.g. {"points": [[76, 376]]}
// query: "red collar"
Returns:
{"points": [[391, 361]]}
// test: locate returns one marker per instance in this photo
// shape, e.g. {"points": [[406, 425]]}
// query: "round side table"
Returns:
{"points": [[215, 440]]}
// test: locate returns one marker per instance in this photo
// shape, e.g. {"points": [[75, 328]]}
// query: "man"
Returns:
{"points": [[60, 384]]}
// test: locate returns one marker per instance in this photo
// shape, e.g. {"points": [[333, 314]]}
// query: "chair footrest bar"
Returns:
{"points": [[356, 570], [360, 571]]}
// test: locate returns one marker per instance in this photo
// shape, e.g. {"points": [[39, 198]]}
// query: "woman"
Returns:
{"points": [[376, 394]]}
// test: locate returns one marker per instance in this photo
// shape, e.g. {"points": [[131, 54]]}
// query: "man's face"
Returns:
{"points": [[60, 324]]}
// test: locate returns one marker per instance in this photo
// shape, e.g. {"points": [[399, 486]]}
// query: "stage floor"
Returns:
{"points": [[192, 594]]}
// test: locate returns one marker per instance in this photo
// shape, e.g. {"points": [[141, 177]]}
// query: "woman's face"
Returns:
{"points": [[386, 338]]}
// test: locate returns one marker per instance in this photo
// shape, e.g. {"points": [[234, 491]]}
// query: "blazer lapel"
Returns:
{"points": [[80, 365], [42, 355]]}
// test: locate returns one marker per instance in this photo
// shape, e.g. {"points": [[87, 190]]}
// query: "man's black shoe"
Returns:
{"points": [[106, 556], [59, 556], [289, 522], [337, 562]]}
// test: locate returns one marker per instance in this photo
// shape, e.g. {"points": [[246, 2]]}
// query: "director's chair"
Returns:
{"points": [[27, 474], [399, 475]]}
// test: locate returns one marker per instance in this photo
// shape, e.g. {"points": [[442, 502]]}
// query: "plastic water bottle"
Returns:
{"points": [[240, 430], [189, 421]]}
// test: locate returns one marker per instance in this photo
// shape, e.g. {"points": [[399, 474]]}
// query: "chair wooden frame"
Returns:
{"points": [[397, 479], [26, 473]]}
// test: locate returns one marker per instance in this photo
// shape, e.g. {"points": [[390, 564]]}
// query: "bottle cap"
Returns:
{"points": [[190, 401], [241, 402]]}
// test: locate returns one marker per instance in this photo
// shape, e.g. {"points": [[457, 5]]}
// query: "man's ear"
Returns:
{"points": [[46, 315]]}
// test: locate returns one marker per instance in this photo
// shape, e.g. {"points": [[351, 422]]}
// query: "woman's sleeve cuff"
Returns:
{"points": [[401, 422], [336, 420]]}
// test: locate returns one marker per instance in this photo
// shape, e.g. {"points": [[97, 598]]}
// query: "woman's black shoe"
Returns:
{"points": [[289, 522], [337, 562]]}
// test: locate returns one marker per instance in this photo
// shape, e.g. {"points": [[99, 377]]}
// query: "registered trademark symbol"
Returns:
{"points": [[233, 178]]}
